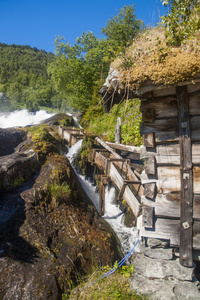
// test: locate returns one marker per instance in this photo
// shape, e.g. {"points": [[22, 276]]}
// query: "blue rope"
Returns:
{"points": [[118, 265]]}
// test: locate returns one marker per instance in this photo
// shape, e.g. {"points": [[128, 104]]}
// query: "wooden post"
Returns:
{"points": [[186, 178], [118, 131], [103, 182]]}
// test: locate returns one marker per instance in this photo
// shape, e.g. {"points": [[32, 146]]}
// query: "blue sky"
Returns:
{"points": [[38, 22]]}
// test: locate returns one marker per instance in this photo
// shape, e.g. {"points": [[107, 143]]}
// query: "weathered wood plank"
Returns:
{"points": [[122, 147], [161, 125], [169, 154], [162, 107], [118, 131], [150, 165], [168, 205], [147, 216], [149, 140], [150, 190], [131, 200], [163, 208], [168, 179], [186, 179], [168, 229], [101, 142], [101, 198], [100, 160]]}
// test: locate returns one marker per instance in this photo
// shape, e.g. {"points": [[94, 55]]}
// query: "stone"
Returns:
{"points": [[165, 254], [160, 269], [9, 139], [186, 291]]}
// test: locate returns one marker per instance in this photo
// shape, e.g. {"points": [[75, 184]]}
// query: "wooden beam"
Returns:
{"points": [[101, 142], [186, 177], [147, 216], [102, 196], [122, 147]]}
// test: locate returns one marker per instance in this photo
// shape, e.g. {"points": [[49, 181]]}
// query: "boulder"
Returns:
{"points": [[10, 138]]}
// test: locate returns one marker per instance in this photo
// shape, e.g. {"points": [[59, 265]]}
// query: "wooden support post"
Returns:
{"points": [[118, 131], [102, 196], [186, 178]]}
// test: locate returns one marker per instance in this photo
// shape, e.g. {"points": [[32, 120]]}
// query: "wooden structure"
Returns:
{"points": [[118, 171], [70, 134], [171, 133]]}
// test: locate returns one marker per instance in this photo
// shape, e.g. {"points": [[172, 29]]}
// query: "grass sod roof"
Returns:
{"points": [[151, 58]]}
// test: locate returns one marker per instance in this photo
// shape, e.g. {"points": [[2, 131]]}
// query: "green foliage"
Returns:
{"points": [[182, 21], [24, 78], [59, 193], [77, 69], [115, 286], [80, 70], [40, 134], [103, 124], [121, 29]]}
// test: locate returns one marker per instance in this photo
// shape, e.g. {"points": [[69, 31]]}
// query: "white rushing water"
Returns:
{"points": [[22, 118], [113, 215]]}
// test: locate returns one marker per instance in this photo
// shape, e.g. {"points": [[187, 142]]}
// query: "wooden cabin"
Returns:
{"points": [[171, 132]]}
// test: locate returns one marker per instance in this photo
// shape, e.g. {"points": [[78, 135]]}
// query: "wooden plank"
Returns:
{"points": [[147, 216], [196, 235], [149, 140], [163, 207], [101, 198], [100, 161], [131, 200], [169, 154], [150, 165], [162, 107], [148, 113], [196, 207], [150, 190], [166, 229], [122, 147], [118, 131], [186, 179], [168, 205], [161, 125], [168, 179], [194, 102], [101, 142]]}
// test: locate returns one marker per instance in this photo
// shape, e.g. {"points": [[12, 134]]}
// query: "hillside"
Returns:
{"points": [[23, 76]]}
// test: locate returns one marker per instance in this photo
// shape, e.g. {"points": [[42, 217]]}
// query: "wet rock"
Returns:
{"points": [[28, 157], [60, 119], [9, 139], [16, 168]]}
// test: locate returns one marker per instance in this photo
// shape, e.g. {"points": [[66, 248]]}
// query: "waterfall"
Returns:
{"points": [[113, 215], [22, 118]]}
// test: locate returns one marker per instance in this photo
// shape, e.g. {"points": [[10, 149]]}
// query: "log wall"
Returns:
{"points": [[171, 131]]}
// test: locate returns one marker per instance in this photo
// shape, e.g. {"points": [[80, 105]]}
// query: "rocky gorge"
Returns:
{"points": [[50, 232]]}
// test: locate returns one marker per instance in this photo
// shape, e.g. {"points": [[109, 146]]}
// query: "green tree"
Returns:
{"points": [[120, 30], [77, 69], [182, 20]]}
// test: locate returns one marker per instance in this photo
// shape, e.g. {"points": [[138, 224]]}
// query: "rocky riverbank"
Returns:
{"points": [[51, 235]]}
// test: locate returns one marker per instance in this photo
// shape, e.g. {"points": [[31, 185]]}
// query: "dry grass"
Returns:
{"points": [[150, 58], [116, 286]]}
